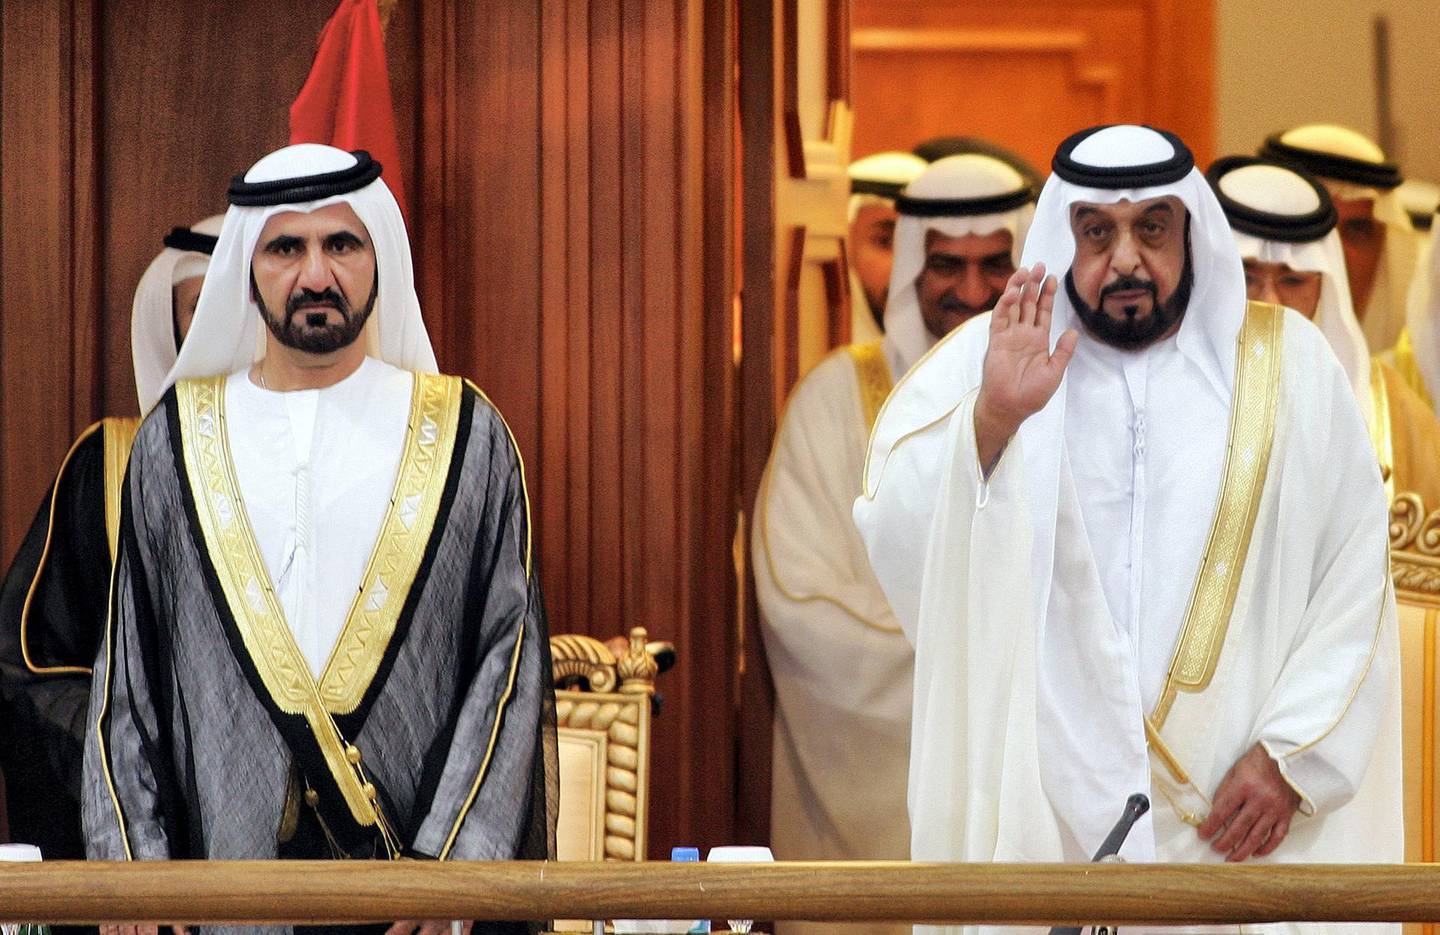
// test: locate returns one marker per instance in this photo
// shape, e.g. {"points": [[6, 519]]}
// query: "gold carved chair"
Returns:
{"points": [[1415, 569], [605, 697]]}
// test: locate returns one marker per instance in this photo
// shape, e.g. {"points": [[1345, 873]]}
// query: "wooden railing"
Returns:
{"points": [[212, 892]]}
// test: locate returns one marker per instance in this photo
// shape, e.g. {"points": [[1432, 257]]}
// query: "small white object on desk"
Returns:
{"points": [[739, 854], [19, 853]]}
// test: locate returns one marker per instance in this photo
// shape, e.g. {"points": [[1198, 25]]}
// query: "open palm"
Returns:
{"points": [[1021, 373]]}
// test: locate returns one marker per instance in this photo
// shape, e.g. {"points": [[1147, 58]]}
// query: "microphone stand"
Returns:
{"points": [[1137, 805]]}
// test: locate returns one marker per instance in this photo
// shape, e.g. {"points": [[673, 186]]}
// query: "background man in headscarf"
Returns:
{"points": [[840, 663], [1379, 239], [1416, 356], [939, 147], [874, 183], [55, 596], [1284, 225], [1102, 601], [327, 638]]}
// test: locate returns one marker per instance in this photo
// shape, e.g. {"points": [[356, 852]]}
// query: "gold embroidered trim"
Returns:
{"points": [[40, 568], [1380, 436], [105, 707], [400, 547], [119, 439], [870, 442], [873, 374], [238, 564], [1162, 751], [1252, 429], [1364, 674], [515, 655]]}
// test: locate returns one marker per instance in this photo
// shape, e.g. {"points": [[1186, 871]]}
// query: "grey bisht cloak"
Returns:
{"points": [[195, 749]]}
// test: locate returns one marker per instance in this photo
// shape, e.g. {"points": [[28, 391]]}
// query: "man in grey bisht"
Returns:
{"points": [[327, 638]]}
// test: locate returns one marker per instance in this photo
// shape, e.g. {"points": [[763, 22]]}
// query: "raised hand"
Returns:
{"points": [[1021, 374]]}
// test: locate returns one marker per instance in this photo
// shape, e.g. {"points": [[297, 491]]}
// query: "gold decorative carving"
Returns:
{"points": [[617, 704], [584, 657], [1415, 550], [638, 668]]}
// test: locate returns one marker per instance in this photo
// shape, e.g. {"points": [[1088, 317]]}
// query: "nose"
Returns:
{"points": [[315, 272], [1268, 292], [1126, 258], [972, 288]]}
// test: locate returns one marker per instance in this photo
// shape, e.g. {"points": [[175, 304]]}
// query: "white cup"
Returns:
{"points": [[739, 854], [17, 853]]}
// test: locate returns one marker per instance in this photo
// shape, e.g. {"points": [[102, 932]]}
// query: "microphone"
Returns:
{"points": [[1135, 806]]}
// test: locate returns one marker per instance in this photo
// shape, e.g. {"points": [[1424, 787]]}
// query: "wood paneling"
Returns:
{"points": [[1026, 74], [570, 165], [50, 313], [796, 131]]}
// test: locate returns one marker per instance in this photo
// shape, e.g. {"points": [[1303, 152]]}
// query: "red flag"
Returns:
{"points": [[346, 99]]}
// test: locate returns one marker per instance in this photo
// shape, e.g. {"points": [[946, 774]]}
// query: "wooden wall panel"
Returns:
{"points": [[47, 225], [796, 133], [1025, 73], [569, 164], [174, 128]]}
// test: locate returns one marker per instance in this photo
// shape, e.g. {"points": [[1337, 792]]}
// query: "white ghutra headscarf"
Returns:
{"points": [[153, 344], [1280, 214], [955, 196], [227, 336], [1353, 167]]}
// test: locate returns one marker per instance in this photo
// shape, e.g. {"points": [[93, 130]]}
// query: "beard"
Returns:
{"points": [[1131, 332], [305, 326]]}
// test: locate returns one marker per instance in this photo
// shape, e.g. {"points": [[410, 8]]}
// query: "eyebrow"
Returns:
{"points": [[345, 237], [961, 258], [283, 241], [1164, 206]]}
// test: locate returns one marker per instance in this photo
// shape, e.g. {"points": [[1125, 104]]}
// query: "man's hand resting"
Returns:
{"points": [[1252, 809]]}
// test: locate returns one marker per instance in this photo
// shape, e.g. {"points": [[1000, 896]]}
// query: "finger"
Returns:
{"points": [[404, 927], [1228, 800], [1224, 809], [1254, 839], [1030, 294], [1005, 307], [1064, 350], [1237, 829], [1277, 834], [1045, 305]]}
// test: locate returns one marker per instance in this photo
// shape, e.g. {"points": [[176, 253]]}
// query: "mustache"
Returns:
{"points": [[307, 299], [950, 303], [1130, 284]]}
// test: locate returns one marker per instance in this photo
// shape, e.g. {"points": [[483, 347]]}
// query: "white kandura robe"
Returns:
{"points": [[316, 469], [1044, 605], [841, 666]]}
